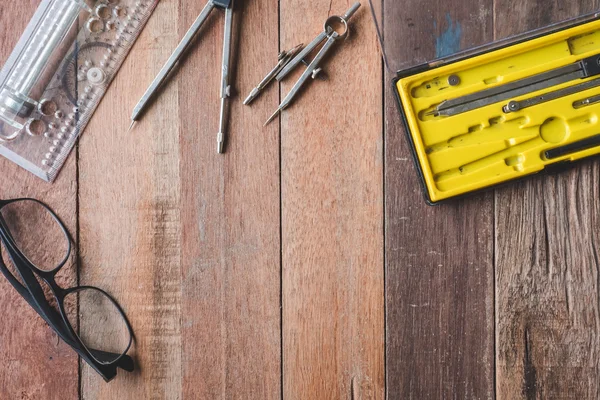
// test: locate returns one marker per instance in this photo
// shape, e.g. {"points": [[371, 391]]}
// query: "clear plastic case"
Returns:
{"points": [[57, 74]]}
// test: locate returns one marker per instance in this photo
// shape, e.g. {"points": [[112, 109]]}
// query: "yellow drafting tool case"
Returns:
{"points": [[500, 112]]}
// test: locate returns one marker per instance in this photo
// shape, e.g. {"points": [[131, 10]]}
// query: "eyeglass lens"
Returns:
{"points": [[36, 233], [101, 324]]}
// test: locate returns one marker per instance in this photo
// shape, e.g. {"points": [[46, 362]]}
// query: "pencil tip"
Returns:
{"points": [[131, 126], [272, 117], [297, 49]]}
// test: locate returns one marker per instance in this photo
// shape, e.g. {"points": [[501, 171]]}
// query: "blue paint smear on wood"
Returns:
{"points": [[449, 41]]}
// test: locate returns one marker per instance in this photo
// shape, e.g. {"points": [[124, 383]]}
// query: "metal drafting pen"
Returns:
{"points": [[171, 62], [225, 87]]}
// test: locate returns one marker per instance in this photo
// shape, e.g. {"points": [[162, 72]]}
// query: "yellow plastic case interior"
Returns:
{"points": [[484, 147]]}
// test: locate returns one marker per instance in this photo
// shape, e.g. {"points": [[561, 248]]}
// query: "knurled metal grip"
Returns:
{"points": [[222, 3]]}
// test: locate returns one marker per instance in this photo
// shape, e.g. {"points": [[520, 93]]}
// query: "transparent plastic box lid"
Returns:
{"points": [[58, 73], [417, 32]]}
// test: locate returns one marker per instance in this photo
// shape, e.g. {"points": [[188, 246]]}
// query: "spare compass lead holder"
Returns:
{"points": [[28, 286], [284, 58], [179, 52]]}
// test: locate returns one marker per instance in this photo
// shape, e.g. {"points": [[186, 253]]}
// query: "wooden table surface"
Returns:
{"points": [[304, 263]]}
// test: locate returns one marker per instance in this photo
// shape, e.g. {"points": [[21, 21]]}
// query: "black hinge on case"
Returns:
{"points": [[417, 69], [591, 66], [558, 168]]}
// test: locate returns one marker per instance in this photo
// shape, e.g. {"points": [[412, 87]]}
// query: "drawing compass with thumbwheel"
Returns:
{"points": [[184, 45]]}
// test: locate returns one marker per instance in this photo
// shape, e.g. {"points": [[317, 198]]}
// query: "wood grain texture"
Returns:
{"points": [[439, 260], [36, 364], [193, 244], [230, 214], [195, 253], [547, 264], [130, 218], [332, 215]]}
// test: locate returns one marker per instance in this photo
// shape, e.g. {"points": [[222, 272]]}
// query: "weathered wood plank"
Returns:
{"points": [[332, 216], [439, 261], [547, 262], [230, 215], [36, 365], [130, 219]]}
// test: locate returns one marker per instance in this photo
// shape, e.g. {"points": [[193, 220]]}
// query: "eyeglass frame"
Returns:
{"points": [[33, 293]]}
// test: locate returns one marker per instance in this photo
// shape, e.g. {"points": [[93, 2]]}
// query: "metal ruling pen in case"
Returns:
{"points": [[183, 46]]}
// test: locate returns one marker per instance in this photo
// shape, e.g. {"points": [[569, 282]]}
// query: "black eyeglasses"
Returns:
{"points": [[35, 247]]}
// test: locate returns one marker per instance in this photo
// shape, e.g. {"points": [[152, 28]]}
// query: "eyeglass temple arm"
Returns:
{"points": [[33, 292], [46, 312], [126, 362]]}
